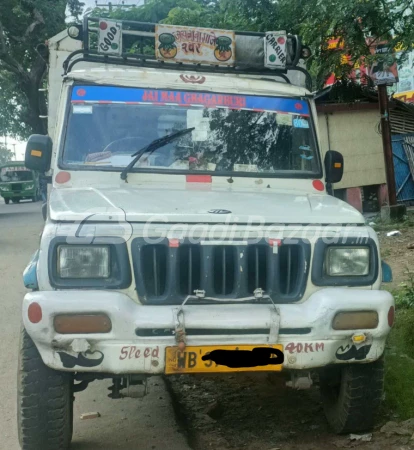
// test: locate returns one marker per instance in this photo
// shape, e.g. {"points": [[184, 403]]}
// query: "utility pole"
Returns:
{"points": [[14, 151], [387, 143]]}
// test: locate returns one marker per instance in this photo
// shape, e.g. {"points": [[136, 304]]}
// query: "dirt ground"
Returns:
{"points": [[257, 412], [394, 251]]}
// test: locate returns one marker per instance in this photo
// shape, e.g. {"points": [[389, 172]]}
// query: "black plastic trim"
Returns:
{"points": [[172, 296], [319, 276], [167, 332], [120, 277]]}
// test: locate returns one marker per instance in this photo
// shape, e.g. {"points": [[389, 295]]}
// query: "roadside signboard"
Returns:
{"points": [[195, 45], [384, 70], [110, 37], [275, 49]]}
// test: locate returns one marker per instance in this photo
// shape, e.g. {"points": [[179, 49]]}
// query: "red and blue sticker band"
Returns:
{"points": [[108, 94]]}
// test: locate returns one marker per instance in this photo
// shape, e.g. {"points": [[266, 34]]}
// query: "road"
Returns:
{"points": [[144, 424]]}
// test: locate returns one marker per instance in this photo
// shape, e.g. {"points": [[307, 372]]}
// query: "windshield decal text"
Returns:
{"points": [[108, 94]]}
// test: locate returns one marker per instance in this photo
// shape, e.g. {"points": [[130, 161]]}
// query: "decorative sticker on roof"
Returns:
{"points": [[194, 45], [109, 94], [110, 37]]}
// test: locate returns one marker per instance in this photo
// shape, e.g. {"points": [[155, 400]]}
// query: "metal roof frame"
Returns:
{"points": [[145, 31]]}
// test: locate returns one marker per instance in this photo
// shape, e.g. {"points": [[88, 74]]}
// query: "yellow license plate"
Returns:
{"points": [[190, 360]]}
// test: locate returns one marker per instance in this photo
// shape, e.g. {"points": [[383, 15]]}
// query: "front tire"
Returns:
{"points": [[6, 201], [44, 402], [351, 395]]}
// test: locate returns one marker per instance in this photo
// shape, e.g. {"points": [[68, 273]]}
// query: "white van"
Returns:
{"points": [[191, 228]]}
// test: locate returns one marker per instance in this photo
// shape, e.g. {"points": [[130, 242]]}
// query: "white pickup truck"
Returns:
{"points": [[191, 228]]}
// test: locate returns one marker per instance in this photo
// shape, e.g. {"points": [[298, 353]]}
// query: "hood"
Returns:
{"points": [[200, 204]]}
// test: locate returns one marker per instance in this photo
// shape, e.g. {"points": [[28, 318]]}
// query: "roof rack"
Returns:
{"points": [[138, 48]]}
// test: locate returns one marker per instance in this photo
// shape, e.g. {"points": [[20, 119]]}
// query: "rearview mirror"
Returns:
{"points": [[38, 153], [334, 166]]}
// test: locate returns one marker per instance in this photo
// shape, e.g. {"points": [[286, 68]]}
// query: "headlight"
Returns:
{"points": [[30, 186], [76, 261], [347, 261]]}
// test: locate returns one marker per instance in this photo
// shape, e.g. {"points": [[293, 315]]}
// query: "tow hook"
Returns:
{"points": [[300, 381], [180, 334]]}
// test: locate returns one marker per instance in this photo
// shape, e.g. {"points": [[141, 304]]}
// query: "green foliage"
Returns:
{"points": [[399, 365], [399, 388], [404, 297], [5, 154], [23, 26], [316, 21]]}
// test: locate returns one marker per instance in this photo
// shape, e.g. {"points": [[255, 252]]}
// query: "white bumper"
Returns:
{"points": [[303, 329]]}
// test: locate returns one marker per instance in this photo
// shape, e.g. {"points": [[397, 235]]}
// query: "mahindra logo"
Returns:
{"points": [[195, 79], [219, 211]]}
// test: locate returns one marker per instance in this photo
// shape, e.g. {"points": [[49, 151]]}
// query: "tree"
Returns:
{"points": [[25, 26], [316, 21], [5, 154]]}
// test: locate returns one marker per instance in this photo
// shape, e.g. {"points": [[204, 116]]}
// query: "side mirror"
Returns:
{"points": [[334, 166], [38, 153]]}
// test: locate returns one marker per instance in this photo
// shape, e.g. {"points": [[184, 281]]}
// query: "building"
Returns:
{"points": [[349, 122]]}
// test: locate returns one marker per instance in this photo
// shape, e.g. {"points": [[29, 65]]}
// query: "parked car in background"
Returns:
{"points": [[18, 183]]}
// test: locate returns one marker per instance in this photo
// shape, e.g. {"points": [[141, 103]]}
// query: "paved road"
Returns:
{"points": [[139, 424]]}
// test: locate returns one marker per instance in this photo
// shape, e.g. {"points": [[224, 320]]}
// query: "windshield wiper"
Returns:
{"points": [[151, 147]]}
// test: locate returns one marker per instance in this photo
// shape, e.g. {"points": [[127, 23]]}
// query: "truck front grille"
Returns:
{"points": [[16, 187], [167, 275]]}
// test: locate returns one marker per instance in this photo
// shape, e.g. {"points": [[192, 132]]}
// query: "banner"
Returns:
{"points": [[194, 45], [161, 97], [406, 96], [384, 70]]}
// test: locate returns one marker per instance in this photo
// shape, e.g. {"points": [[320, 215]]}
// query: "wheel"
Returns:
{"points": [[34, 199], [6, 201], [44, 402], [351, 395], [16, 200]]}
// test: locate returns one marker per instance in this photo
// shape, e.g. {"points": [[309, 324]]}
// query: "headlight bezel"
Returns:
{"points": [[321, 278], [119, 266]]}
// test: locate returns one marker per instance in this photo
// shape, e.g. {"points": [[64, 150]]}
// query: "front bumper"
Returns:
{"points": [[303, 329], [19, 194]]}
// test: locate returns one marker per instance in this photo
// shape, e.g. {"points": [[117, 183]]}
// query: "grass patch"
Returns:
{"points": [[404, 297], [408, 222], [399, 365]]}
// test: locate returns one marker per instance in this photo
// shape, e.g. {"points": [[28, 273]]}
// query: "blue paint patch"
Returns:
{"points": [[306, 148], [30, 273], [189, 98], [386, 272], [300, 122], [308, 158]]}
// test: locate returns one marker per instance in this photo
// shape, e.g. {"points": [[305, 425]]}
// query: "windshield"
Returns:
{"points": [[233, 133], [17, 173]]}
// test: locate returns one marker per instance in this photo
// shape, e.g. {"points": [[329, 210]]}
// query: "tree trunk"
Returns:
{"points": [[36, 100]]}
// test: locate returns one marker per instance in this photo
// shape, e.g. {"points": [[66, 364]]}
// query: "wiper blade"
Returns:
{"points": [[151, 147]]}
